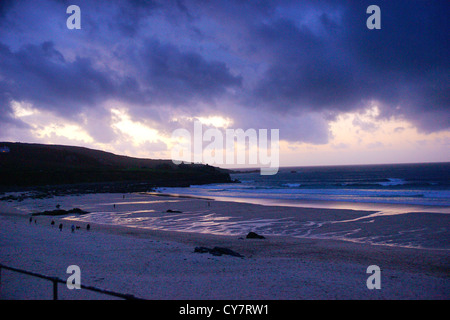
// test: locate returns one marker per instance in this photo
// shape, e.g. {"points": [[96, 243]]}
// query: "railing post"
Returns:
{"points": [[55, 289]]}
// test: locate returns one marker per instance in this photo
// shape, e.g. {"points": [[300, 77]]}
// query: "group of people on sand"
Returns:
{"points": [[73, 227]]}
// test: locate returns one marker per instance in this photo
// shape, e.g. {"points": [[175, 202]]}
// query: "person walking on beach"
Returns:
{"points": [[60, 227], [73, 228], [88, 227], [53, 223], [31, 219]]}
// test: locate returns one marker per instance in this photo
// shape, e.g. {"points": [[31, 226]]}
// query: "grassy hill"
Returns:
{"points": [[27, 165]]}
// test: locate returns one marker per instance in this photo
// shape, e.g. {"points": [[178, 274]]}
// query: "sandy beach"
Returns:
{"points": [[163, 264]]}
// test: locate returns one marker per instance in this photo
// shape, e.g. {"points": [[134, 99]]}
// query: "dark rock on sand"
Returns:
{"points": [[218, 251], [202, 250], [253, 235], [174, 211]]}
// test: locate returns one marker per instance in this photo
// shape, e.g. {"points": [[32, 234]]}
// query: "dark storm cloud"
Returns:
{"points": [[257, 62], [4, 7], [130, 14], [307, 72], [407, 62], [41, 75], [404, 66], [176, 77]]}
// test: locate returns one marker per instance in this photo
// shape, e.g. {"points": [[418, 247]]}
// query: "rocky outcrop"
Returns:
{"points": [[253, 235], [218, 251], [60, 212]]}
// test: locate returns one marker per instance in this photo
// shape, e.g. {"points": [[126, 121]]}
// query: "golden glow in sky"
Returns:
{"points": [[354, 138]]}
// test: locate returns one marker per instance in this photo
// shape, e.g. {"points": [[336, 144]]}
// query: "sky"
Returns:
{"points": [[338, 92]]}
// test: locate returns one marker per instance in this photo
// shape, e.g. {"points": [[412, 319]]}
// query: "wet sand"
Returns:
{"points": [[157, 264]]}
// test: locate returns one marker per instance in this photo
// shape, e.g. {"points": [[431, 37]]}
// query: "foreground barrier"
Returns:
{"points": [[56, 280]]}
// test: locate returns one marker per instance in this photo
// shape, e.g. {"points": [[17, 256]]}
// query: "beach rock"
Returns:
{"points": [[253, 235], [60, 212], [218, 251], [201, 250], [77, 211], [174, 211]]}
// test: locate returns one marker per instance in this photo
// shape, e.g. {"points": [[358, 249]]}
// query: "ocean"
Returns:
{"points": [[416, 186]]}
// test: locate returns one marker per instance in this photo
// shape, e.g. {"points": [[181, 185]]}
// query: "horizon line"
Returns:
{"points": [[240, 168]]}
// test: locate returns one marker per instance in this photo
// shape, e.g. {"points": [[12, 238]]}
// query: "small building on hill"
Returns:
{"points": [[4, 149]]}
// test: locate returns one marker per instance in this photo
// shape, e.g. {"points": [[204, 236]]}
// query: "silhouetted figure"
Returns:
{"points": [[31, 219], [52, 223], [114, 206], [73, 228], [60, 227], [88, 227]]}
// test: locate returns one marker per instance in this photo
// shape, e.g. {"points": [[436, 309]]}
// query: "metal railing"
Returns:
{"points": [[56, 280]]}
